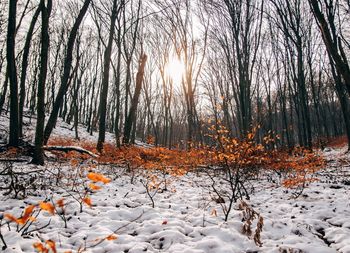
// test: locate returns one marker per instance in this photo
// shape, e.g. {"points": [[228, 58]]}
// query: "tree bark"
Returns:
{"points": [[12, 74], [25, 58], [4, 91], [105, 80], [38, 156], [133, 108]]}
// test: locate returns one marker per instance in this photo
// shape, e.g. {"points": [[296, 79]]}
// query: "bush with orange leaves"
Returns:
{"points": [[245, 158], [297, 167], [174, 161], [237, 161], [158, 166]]}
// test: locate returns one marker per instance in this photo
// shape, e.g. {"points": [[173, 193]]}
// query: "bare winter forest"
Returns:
{"points": [[240, 105]]}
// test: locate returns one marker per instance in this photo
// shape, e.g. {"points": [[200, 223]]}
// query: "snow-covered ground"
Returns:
{"points": [[185, 217]]}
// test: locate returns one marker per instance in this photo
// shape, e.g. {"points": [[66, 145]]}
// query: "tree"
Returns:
{"points": [[336, 54], [129, 123], [66, 72], [239, 37], [25, 63], [178, 22], [105, 79], [291, 22], [331, 37], [130, 39], [38, 157], [12, 74]]}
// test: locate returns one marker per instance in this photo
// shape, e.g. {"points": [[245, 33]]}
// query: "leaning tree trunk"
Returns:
{"points": [[135, 100], [66, 73], [331, 40]]}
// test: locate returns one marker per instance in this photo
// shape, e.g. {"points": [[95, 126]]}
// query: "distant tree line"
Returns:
{"points": [[278, 66]]}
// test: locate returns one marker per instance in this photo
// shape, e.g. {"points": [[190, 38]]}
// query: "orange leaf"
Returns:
{"points": [[96, 177], [87, 201], [51, 245], [111, 237], [26, 216], [28, 211], [39, 247], [47, 207], [60, 203], [22, 221], [94, 187], [11, 217], [250, 136]]}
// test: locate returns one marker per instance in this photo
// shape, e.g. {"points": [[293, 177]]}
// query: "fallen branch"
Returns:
{"points": [[14, 160], [70, 148]]}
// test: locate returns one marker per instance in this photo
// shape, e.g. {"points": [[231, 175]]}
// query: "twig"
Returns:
{"points": [[3, 241], [15, 160], [151, 196], [36, 229], [115, 231], [2, 237]]}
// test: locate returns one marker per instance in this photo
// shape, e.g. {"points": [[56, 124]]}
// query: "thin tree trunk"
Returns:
{"points": [[26, 50], [343, 99], [12, 73], [331, 40], [38, 156], [133, 107], [105, 80], [4, 91]]}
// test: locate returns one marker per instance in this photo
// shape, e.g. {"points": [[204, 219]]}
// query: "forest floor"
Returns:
{"points": [[185, 218]]}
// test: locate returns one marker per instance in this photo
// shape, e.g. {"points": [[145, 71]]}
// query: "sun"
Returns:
{"points": [[175, 70]]}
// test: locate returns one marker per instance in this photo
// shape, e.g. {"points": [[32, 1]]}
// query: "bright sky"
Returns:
{"points": [[175, 69]]}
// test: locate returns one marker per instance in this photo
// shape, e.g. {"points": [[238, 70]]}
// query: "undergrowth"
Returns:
{"points": [[230, 163]]}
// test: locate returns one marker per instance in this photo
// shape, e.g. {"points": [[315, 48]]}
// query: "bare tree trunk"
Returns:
{"points": [[343, 99], [25, 58], [38, 156], [117, 96], [331, 38], [4, 91], [12, 73], [105, 80], [133, 107]]}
